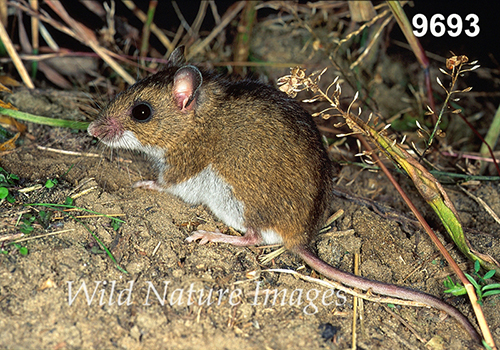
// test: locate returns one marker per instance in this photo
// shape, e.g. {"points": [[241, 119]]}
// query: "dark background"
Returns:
{"points": [[484, 47]]}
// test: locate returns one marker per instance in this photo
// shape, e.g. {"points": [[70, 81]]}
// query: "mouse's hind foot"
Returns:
{"points": [[249, 239]]}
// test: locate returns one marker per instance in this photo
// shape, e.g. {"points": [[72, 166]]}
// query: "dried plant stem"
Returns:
{"points": [[454, 78], [34, 35], [415, 45], [154, 29], [146, 29], [228, 17], [4, 38], [79, 32], [485, 330]]}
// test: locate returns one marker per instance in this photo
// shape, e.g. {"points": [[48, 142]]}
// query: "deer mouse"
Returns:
{"points": [[245, 150]]}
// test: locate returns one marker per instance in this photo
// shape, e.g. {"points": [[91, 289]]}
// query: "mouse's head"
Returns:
{"points": [[154, 112]]}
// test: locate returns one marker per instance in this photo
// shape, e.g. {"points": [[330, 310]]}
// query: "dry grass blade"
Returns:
{"points": [[80, 36], [227, 18], [416, 47], [200, 16], [146, 29], [4, 38], [482, 203], [86, 36], [373, 41], [435, 195], [34, 29], [154, 29]]}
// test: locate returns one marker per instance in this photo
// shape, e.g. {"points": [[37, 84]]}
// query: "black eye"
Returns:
{"points": [[142, 112]]}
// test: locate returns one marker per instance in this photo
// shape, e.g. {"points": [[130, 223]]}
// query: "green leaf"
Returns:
{"points": [[477, 266], [26, 229], [50, 183], [491, 292], [4, 192], [473, 281], [489, 274], [44, 120], [448, 283], [491, 286], [11, 199], [23, 251], [458, 290], [115, 224]]}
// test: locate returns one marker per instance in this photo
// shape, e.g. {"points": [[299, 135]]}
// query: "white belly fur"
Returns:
{"points": [[210, 189]]}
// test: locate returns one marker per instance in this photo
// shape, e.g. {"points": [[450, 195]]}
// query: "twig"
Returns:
{"points": [[227, 18], [154, 29], [41, 236], [79, 32], [482, 203], [146, 29], [71, 153], [34, 34], [406, 324], [4, 38]]}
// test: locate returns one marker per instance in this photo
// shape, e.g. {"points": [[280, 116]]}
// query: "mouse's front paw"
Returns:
{"points": [[206, 236], [148, 185]]}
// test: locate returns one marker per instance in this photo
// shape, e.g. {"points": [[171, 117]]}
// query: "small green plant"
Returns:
{"points": [[115, 224], [4, 192], [26, 225], [43, 218], [51, 183], [483, 289], [22, 250], [60, 208], [7, 180]]}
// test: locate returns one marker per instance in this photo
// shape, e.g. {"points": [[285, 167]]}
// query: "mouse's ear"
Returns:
{"points": [[187, 82], [177, 57]]}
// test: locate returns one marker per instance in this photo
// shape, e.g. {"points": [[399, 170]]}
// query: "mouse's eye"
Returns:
{"points": [[142, 112]]}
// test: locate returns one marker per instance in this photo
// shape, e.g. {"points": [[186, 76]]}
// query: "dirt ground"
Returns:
{"points": [[42, 304], [164, 300]]}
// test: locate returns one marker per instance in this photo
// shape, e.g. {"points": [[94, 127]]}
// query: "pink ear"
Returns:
{"points": [[187, 81]]}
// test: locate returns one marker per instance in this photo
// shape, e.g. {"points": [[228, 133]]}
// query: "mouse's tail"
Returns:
{"points": [[383, 288]]}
